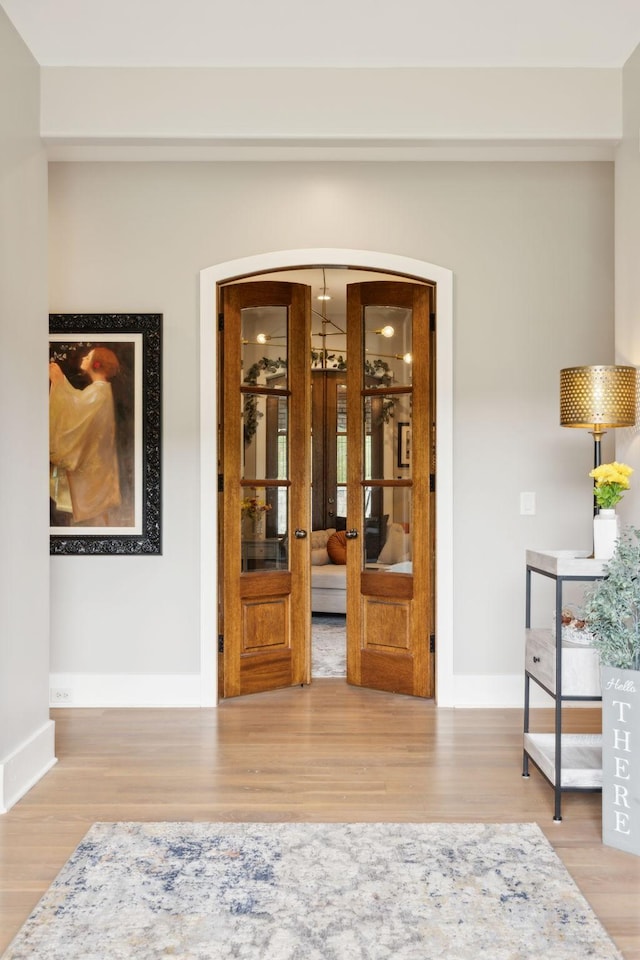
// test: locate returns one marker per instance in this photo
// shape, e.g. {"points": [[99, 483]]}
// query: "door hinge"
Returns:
{"points": [[432, 322], [432, 643], [220, 483], [220, 643], [221, 322], [432, 482]]}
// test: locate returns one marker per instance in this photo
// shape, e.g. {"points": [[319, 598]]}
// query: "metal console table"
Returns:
{"points": [[566, 671]]}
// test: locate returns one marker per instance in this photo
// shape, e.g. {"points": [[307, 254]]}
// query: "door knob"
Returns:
{"points": [[299, 534], [351, 534]]}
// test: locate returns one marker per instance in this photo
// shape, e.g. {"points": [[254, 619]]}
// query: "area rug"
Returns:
{"points": [[328, 645], [311, 891]]}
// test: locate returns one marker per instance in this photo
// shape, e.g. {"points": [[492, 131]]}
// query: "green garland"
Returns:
{"points": [[377, 368], [251, 414]]}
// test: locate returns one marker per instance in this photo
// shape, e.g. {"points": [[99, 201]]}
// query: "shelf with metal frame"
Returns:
{"points": [[567, 672]]}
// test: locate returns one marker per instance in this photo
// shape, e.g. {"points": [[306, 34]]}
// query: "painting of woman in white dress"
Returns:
{"points": [[105, 434], [91, 442]]}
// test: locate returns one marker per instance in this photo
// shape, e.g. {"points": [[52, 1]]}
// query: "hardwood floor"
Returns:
{"points": [[328, 752]]}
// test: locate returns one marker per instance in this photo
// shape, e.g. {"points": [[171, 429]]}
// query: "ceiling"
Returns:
{"points": [[336, 33]]}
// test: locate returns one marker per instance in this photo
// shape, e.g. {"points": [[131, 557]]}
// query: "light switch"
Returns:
{"points": [[527, 504]]}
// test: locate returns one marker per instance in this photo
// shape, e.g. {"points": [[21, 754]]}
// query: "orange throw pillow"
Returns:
{"points": [[337, 547]]}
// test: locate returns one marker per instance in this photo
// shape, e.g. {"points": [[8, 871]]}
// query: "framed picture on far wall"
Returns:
{"points": [[105, 433], [404, 444]]}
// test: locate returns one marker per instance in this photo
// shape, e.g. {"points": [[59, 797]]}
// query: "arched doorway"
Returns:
{"points": [[329, 257]]}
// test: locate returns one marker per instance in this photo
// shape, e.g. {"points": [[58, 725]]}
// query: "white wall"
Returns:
{"points": [[26, 733], [627, 244], [531, 248]]}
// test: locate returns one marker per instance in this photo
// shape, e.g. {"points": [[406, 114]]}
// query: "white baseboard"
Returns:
{"points": [[22, 769], [184, 690], [124, 690], [501, 690]]}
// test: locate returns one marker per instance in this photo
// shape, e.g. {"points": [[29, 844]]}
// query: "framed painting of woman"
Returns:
{"points": [[104, 433]]}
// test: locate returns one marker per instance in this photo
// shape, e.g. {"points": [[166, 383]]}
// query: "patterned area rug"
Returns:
{"points": [[309, 891], [328, 645]]}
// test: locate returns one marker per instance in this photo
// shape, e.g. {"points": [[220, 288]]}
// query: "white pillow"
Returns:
{"points": [[397, 545], [319, 537], [319, 556]]}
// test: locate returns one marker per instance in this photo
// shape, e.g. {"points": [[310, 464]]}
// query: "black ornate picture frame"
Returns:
{"points": [[404, 444], [132, 525]]}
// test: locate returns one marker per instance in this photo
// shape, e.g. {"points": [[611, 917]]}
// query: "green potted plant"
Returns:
{"points": [[612, 614]]}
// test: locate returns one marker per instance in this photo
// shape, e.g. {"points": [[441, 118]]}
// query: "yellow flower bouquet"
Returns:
{"points": [[611, 481], [254, 508]]}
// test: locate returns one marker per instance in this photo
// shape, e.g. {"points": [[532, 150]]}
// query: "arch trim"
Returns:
{"points": [[328, 257]]}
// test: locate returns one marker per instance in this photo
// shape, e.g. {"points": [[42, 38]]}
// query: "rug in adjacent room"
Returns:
{"points": [[310, 891], [328, 645]]}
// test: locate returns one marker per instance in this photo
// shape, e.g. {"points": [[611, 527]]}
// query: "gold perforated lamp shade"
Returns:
{"points": [[598, 398]]}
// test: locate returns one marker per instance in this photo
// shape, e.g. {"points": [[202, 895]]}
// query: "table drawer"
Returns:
{"points": [[261, 551], [580, 665], [540, 658]]}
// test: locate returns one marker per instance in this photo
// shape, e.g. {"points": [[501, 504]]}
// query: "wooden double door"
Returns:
{"points": [[385, 455]]}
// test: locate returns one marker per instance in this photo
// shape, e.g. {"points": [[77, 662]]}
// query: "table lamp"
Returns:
{"points": [[598, 399]]}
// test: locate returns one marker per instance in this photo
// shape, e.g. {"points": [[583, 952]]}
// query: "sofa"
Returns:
{"points": [[328, 559], [328, 579]]}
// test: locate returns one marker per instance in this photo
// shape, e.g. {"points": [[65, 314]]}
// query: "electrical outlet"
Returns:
{"points": [[60, 695], [527, 504]]}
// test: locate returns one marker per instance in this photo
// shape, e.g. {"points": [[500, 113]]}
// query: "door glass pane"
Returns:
{"points": [[264, 346], [387, 346], [265, 438], [265, 434], [263, 526], [387, 437], [388, 527], [264, 416]]}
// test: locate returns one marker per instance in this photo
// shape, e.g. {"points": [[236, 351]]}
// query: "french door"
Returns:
{"points": [[266, 493], [264, 505], [390, 617]]}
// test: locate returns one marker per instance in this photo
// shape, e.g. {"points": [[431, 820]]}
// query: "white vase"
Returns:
{"points": [[253, 528], [606, 530]]}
